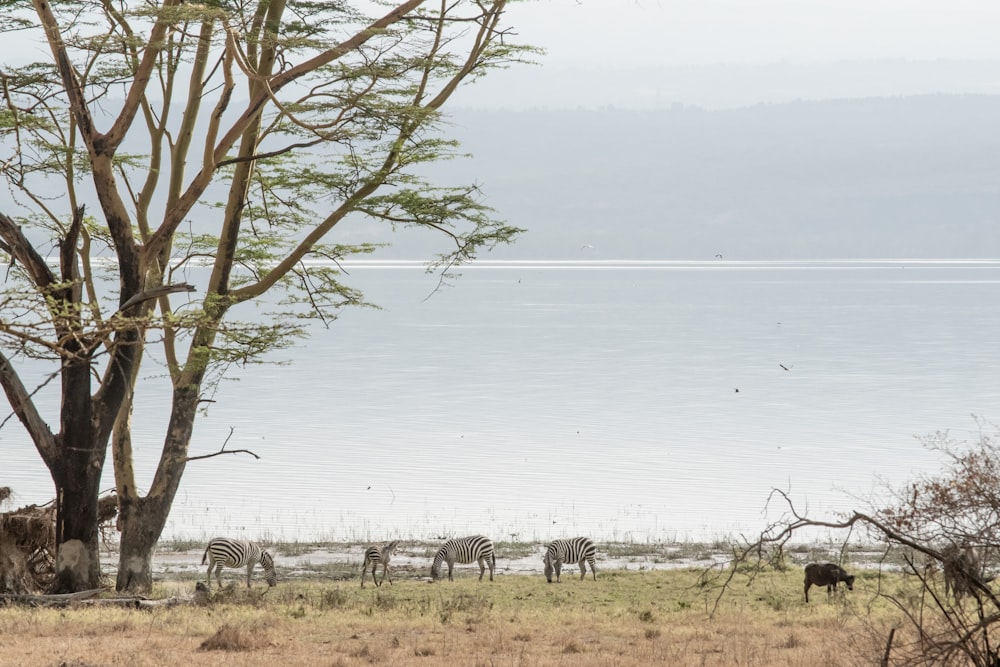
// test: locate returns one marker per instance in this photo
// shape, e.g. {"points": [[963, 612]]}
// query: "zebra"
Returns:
{"points": [[378, 554], [465, 550], [222, 551], [579, 550]]}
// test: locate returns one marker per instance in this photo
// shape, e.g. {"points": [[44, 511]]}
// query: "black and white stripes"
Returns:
{"points": [[224, 552], [376, 554], [465, 550], [573, 550]]}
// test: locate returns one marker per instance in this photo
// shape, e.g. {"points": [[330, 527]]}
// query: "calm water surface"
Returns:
{"points": [[643, 401]]}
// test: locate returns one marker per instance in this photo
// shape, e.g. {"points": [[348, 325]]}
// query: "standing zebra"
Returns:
{"points": [[378, 554], [465, 550], [222, 551], [574, 550]]}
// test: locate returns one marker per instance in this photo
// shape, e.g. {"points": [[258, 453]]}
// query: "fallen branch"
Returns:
{"points": [[88, 599], [54, 600]]}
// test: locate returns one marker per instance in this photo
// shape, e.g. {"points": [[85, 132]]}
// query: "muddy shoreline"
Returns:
{"points": [[342, 561]]}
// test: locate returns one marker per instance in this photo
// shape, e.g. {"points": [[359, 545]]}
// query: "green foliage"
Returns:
{"points": [[358, 123]]}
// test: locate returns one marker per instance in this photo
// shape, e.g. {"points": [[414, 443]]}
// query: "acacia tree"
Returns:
{"points": [[237, 134]]}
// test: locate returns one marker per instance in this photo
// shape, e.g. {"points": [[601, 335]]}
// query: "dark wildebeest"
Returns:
{"points": [[963, 571], [827, 574]]}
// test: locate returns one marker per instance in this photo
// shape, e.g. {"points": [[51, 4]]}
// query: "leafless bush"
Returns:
{"points": [[942, 530]]}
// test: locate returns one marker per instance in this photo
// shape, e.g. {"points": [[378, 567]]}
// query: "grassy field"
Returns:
{"points": [[624, 618]]}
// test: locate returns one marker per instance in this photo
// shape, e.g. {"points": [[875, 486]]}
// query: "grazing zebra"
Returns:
{"points": [[574, 550], [465, 550], [222, 551], [378, 554]]}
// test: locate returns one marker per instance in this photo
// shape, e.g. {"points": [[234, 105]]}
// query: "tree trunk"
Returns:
{"points": [[77, 476], [142, 519], [78, 560], [135, 549]]}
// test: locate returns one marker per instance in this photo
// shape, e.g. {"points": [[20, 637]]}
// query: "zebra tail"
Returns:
{"points": [[204, 556]]}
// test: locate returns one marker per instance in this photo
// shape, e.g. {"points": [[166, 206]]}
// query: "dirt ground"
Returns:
{"points": [[624, 619]]}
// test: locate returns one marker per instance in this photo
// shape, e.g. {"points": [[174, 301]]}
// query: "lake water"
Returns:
{"points": [[624, 400]]}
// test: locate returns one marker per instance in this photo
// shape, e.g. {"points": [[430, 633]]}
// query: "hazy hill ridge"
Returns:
{"points": [[876, 177]]}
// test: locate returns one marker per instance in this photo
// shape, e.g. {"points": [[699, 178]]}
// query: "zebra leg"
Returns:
{"points": [[451, 565], [249, 572], [593, 570], [482, 569], [558, 566], [385, 573], [364, 571], [583, 570], [218, 574], [492, 561]]}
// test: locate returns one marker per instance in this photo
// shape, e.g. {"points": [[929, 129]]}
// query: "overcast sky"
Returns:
{"points": [[734, 53], [730, 53], [697, 32]]}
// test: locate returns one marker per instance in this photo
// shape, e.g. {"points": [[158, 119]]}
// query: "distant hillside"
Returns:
{"points": [[723, 86], [877, 177]]}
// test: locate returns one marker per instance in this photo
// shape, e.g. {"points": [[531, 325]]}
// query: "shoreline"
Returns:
{"points": [[342, 560]]}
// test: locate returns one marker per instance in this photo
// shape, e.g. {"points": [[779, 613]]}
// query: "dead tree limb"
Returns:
{"points": [[56, 600], [223, 450]]}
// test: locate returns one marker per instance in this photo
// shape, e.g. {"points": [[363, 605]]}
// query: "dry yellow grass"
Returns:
{"points": [[625, 618]]}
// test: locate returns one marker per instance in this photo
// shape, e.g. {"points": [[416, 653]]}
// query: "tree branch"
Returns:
{"points": [[140, 79], [21, 249], [183, 205], [27, 412], [220, 453], [155, 293], [223, 450]]}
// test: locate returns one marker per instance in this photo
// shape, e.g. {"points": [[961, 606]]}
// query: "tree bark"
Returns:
{"points": [[78, 563], [135, 549], [77, 476], [143, 518]]}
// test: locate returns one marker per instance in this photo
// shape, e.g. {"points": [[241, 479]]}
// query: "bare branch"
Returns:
{"points": [[220, 453], [223, 450]]}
